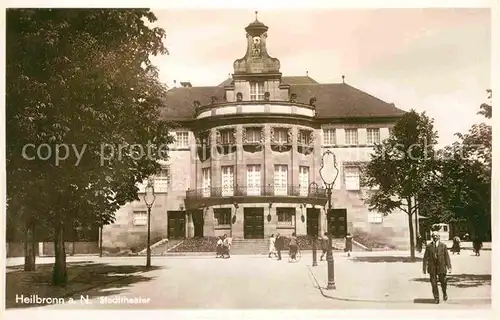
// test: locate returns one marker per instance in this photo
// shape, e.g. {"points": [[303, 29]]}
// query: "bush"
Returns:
{"points": [[371, 241], [205, 244]]}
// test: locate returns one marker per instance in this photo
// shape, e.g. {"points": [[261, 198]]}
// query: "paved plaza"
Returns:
{"points": [[366, 280]]}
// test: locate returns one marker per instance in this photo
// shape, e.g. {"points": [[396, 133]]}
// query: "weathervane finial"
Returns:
{"points": [[256, 12]]}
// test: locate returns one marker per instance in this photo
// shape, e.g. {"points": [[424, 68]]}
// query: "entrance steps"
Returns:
{"points": [[250, 246]]}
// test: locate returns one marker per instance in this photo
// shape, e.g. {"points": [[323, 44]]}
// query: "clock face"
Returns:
{"points": [[256, 41]]}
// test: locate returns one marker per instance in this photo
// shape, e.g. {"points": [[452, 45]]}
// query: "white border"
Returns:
{"points": [[275, 314]]}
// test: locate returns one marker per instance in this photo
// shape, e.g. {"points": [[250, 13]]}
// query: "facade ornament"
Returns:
{"points": [[256, 52], [289, 134], [213, 100], [293, 97], [196, 103], [239, 97], [267, 95], [312, 101]]}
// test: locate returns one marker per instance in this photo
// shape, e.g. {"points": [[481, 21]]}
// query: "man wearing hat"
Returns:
{"points": [[437, 263]]}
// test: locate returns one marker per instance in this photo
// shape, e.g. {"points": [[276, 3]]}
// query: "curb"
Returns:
{"points": [[321, 290]]}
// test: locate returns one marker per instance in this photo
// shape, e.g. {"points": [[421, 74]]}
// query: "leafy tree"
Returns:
{"points": [[401, 166], [81, 78], [465, 184]]}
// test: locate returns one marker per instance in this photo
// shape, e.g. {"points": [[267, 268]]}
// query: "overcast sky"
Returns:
{"points": [[433, 60]]}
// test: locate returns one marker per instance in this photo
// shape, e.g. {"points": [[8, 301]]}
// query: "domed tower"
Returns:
{"points": [[257, 63]]}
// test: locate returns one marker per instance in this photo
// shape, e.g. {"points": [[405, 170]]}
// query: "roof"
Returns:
{"points": [[284, 80], [340, 100], [337, 100]]}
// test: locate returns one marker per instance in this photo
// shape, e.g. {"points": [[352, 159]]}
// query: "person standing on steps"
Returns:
{"points": [[272, 248], [324, 245], [279, 244], [437, 262], [348, 244]]}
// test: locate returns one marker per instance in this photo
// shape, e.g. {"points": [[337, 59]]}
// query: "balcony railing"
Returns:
{"points": [[256, 191]]}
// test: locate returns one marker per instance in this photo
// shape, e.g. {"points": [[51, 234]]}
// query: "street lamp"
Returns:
{"points": [[329, 173], [149, 199]]}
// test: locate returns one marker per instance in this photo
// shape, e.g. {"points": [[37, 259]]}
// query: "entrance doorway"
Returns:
{"points": [[312, 222], [337, 221], [198, 221], [253, 223], [176, 224]]}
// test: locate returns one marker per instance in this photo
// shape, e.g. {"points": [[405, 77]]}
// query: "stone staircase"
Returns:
{"points": [[250, 246], [161, 249]]}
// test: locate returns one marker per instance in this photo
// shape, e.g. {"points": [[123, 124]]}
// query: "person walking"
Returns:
{"points": [[272, 248], [324, 245], [477, 244], [218, 248], [437, 262], [279, 244], [419, 243], [348, 244], [293, 246], [226, 246], [455, 248]]}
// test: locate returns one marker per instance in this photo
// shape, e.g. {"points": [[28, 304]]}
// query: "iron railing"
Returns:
{"points": [[256, 191]]}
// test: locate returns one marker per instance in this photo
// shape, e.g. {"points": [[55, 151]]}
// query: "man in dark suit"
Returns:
{"points": [[437, 263]]}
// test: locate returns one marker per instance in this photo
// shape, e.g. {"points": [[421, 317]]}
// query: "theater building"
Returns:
{"points": [[247, 155]]}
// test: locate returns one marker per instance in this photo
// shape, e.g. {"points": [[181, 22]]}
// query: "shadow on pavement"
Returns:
{"points": [[423, 300], [463, 280], [84, 279], [377, 259]]}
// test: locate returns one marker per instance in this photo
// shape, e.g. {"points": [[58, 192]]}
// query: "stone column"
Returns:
{"points": [[293, 170], [215, 178], [209, 223], [237, 227]]}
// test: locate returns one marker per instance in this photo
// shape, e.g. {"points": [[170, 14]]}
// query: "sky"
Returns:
{"points": [[433, 60]]}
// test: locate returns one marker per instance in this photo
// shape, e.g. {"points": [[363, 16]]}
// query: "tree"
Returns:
{"points": [[401, 166], [81, 84], [465, 184]]}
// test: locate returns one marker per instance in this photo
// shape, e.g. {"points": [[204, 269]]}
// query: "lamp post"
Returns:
{"points": [[329, 173], [149, 199]]}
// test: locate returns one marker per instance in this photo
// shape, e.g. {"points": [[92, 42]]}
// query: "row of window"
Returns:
{"points": [[351, 179], [254, 135], [253, 175], [222, 216]]}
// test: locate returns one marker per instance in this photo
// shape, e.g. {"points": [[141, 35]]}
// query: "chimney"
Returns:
{"points": [[186, 84]]}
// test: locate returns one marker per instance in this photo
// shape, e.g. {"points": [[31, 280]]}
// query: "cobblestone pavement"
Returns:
{"points": [[259, 282]]}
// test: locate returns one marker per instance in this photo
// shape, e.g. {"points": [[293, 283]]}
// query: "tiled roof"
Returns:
{"points": [[340, 100], [337, 100], [179, 101]]}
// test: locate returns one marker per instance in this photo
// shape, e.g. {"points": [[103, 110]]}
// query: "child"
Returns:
{"points": [[348, 244]]}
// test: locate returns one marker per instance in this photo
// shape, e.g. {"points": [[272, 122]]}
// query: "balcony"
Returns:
{"points": [[254, 194]]}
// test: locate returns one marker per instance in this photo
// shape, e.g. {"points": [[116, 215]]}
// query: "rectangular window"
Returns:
{"points": [[256, 91], [140, 218], [286, 216], [304, 137], [351, 178], [182, 139], [253, 135], [351, 137], [375, 217], [329, 137], [281, 135], [304, 181], [205, 172], [222, 216], [372, 136], [227, 181], [162, 179], [280, 180], [227, 136], [253, 180]]}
